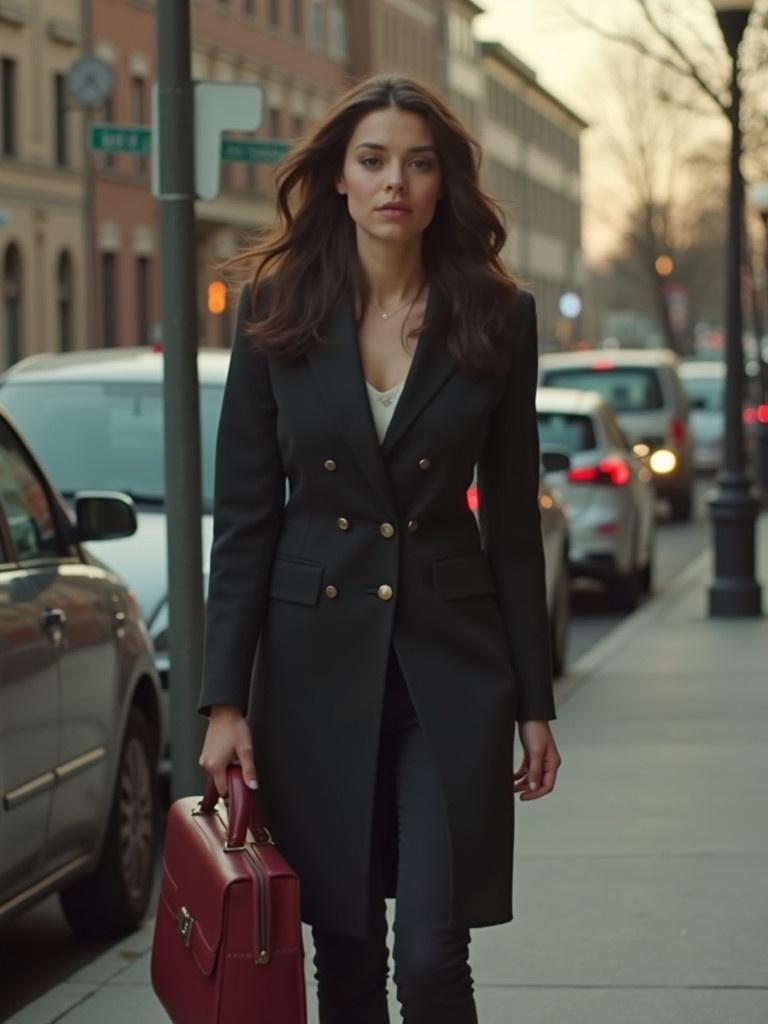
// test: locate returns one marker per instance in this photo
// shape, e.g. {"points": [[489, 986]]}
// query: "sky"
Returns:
{"points": [[565, 58]]}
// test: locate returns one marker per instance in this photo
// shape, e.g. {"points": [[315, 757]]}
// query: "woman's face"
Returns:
{"points": [[391, 176]]}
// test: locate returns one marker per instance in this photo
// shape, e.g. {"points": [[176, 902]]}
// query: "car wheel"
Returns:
{"points": [[113, 899], [681, 505], [560, 620]]}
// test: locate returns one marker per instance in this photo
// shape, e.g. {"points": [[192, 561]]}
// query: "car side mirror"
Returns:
{"points": [[104, 515], [555, 460]]}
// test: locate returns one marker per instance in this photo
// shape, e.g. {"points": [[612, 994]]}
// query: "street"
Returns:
{"points": [[39, 951]]}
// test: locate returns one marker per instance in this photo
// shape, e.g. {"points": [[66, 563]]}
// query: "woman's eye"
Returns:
{"points": [[422, 165], [369, 161]]}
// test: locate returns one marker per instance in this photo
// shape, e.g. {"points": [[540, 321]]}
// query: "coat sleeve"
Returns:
{"points": [[510, 523], [249, 497]]}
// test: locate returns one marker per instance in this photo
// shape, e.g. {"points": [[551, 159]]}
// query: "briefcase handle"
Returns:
{"points": [[244, 809]]}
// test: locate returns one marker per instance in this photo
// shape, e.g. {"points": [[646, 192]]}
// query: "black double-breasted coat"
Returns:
{"points": [[376, 546]]}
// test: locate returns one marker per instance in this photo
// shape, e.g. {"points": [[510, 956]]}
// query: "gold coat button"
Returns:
{"points": [[413, 525], [385, 592], [331, 591], [387, 530], [330, 465], [424, 464], [342, 523]]}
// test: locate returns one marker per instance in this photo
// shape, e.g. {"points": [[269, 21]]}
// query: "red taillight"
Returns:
{"points": [[473, 498], [603, 364], [677, 430], [762, 413], [612, 471], [749, 415]]}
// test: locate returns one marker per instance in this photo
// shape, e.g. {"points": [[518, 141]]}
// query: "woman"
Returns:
{"points": [[381, 353]]}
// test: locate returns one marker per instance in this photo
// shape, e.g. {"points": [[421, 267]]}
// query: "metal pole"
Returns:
{"points": [[735, 591], [91, 287], [182, 427], [761, 427]]}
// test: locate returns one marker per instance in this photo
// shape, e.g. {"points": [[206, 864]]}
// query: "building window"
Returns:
{"points": [[337, 29], [8, 85], [317, 24], [274, 13], [297, 17], [12, 304], [274, 123], [61, 154], [109, 299], [142, 299], [64, 301], [139, 116]]}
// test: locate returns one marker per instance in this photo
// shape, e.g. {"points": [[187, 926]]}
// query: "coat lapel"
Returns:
{"points": [[338, 372], [431, 367]]}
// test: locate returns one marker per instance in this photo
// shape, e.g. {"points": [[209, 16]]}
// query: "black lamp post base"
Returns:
{"points": [[735, 592]]}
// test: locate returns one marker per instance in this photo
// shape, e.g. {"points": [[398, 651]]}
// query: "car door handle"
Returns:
{"points": [[53, 618]]}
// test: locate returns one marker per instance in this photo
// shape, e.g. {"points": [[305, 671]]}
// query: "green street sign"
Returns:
{"points": [[254, 151], [134, 139]]}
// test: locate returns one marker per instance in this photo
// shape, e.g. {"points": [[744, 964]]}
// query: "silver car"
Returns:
{"points": [[608, 492], [643, 388], [96, 418], [81, 718], [704, 383]]}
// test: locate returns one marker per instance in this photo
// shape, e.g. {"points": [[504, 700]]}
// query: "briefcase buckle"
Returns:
{"points": [[185, 923]]}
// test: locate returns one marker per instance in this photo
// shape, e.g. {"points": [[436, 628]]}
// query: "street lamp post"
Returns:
{"points": [[759, 197], [735, 591]]}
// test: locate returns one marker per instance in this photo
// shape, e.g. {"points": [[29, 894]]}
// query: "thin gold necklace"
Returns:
{"points": [[388, 316]]}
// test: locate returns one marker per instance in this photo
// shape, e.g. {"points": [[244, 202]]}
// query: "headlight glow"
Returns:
{"points": [[663, 461]]}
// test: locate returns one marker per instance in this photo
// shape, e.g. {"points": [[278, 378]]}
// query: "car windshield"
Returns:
{"points": [[568, 430], [625, 388], [705, 392], [106, 436]]}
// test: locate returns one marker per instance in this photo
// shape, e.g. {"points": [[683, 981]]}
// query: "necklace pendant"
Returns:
{"points": [[385, 316]]}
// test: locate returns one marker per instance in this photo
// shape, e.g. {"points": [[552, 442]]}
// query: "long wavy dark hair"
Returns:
{"points": [[309, 258]]}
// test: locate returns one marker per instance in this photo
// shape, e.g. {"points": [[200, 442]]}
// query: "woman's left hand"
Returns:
{"points": [[538, 771]]}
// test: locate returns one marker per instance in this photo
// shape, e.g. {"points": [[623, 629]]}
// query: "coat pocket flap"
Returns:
{"points": [[296, 580], [463, 575]]}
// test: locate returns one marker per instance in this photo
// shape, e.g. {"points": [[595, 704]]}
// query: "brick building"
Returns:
{"points": [[42, 227]]}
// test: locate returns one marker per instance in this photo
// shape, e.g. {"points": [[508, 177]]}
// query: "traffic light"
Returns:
{"points": [[217, 297]]}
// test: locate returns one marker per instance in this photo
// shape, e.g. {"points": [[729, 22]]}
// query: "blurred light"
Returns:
{"points": [[749, 415], [604, 364], [677, 429], [608, 471], [570, 305], [762, 414], [546, 502], [663, 461], [217, 297], [664, 265], [473, 498], [607, 528], [641, 450]]}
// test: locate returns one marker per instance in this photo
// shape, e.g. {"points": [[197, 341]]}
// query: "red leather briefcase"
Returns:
{"points": [[227, 945]]}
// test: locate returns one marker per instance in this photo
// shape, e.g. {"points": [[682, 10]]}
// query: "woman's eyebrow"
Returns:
{"points": [[412, 149]]}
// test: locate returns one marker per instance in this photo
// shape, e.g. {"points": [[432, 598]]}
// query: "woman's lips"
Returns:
{"points": [[393, 212]]}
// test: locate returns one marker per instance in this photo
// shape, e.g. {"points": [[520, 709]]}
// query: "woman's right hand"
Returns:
{"points": [[228, 740]]}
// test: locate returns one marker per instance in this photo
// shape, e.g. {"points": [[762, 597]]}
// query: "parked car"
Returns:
{"points": [[643, 388], [555, 536], [608, 492], [96, 419], [80, 708], [704, 383]]}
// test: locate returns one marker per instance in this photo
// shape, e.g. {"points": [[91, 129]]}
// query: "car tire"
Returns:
{"points": [[113, 899], [560, 620], [681, 505], [646, 576]]}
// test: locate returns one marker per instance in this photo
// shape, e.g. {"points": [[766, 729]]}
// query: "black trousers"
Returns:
{"points": [[432, 974]]}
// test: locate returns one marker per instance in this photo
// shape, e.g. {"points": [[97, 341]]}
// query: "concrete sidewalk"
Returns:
{"points": [[641, 892]]}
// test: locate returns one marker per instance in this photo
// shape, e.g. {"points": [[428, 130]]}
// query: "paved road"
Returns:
{"points": [[37, 950]]}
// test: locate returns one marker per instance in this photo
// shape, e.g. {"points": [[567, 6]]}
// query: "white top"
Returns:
{"points": [[383, 405]]}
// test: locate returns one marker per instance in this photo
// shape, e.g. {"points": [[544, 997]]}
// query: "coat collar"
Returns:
{"points": [[337, 368]]}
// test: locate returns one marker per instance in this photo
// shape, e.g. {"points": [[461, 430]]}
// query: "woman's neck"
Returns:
{"points": [[394, 273]]}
